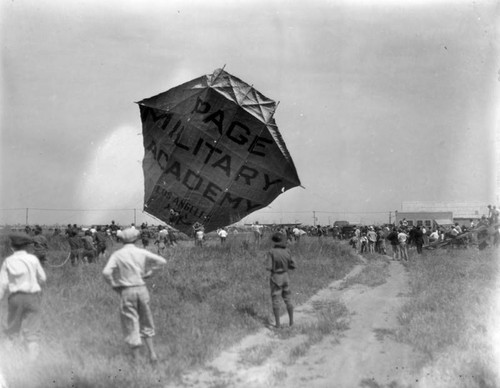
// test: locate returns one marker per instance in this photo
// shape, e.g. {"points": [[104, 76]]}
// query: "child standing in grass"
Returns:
{"points": [[21, 277], [125, 272], [279, 262]]}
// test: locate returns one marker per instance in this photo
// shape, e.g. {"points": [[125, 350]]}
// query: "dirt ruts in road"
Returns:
{"points": [[364, 355]]}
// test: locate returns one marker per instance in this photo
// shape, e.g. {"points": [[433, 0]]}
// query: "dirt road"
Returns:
{"points": [[364, 355]]}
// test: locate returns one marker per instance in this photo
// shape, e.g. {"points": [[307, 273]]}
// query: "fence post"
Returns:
{"points": [[27, 211]]}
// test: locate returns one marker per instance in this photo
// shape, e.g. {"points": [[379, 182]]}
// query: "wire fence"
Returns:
{"points": [[54, 216], [124, 216]]}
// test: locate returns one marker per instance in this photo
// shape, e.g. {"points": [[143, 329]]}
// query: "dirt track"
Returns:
{"points": [[365, 355]]}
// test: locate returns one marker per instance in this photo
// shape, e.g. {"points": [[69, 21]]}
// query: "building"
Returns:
{"points": [[463, 212], [425, 218]]}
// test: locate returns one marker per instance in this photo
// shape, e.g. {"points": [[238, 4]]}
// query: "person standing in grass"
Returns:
{"points": [[75, 246], [393, 239], [41, 245], [125, 271], [223, 236], [279, 262], [145, 235], [89, 248], [100, 242], [403, 244], [418, 238], [257, 232], [21, 277], [372, 239]]}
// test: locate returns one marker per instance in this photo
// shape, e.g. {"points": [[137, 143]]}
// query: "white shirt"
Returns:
{"points": [[127, 266], [21, 272], [257, 228], [402, 237], [222, 233]]}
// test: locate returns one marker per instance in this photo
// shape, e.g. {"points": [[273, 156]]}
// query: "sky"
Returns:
{"points": [[380, 102]]}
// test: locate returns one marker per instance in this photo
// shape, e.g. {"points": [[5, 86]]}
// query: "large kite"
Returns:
{"points": [[213, 153]]}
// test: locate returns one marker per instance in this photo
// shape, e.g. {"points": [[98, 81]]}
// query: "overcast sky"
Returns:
{"points": [[380, 101]]}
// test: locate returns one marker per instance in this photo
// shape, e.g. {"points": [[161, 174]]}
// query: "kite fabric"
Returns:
{"points": [[213, 153]]}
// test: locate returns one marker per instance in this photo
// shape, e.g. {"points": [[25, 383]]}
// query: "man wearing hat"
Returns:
{"points": [[21, 276], [279, 262], [125, 272]]}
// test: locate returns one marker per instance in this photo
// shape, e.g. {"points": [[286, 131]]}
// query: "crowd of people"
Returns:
{"points": [[22, 274], [22, 277]]}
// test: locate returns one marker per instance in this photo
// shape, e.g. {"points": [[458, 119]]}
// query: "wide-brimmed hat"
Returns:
{"points": [[20, 239], [129, 235]]}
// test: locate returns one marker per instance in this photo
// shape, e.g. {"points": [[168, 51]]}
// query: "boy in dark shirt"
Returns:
{"points": [[279, 262]]}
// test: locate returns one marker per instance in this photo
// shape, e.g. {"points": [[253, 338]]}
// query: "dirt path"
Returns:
{"points": [[364, 355]]}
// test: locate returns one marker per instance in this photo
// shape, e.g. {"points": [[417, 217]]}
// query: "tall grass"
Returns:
{"points": [[203, 301], [451, 316]]}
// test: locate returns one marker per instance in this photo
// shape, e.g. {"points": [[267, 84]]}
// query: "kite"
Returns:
{"points": [[212, 153]]}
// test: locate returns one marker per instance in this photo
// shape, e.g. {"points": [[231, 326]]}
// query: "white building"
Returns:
{"points": [[460, 210]]}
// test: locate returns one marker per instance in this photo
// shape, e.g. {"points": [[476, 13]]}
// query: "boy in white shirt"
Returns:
{"points": [[21, 277], [125, 272]]}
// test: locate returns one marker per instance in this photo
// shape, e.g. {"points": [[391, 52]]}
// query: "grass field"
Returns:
{"points": [[453, 317], [202, 301]]}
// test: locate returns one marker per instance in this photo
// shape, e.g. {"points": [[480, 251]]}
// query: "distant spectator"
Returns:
{"points": [[418, 236], [495, 214], [296, 233], [380, 244], [454, 231], [89, 249], [357, 232], [100, 242], [145, 235], [222, 235], [40, 245], [75, 246], [257, 232], [393, 239], [434, 236], [161, 239], [199, 234], [354, 243], [172, 239], [114, 230], [363, 241], [372, 239], [403, 248]]}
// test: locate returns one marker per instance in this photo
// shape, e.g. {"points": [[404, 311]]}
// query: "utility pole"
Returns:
{"points": [[135, 217], [390, 219], [27, 211], [314, 218]]}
